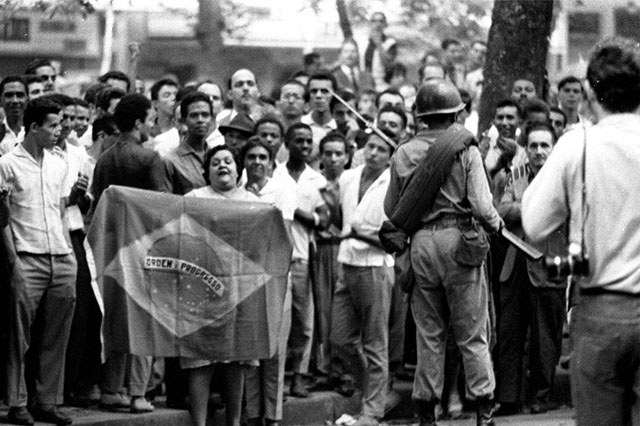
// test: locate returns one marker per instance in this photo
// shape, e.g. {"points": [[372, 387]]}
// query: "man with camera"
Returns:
{"points": [[444, 163], [589, 180], [529, 299]]}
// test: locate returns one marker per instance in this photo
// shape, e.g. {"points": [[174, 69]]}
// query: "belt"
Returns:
{"points": [[599, 291], [447, 221], [327, 241]]}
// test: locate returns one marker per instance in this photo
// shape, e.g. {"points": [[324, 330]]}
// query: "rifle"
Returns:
{"points": [[527, 249], [366, 122]]}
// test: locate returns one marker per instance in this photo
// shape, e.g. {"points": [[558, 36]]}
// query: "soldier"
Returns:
{"points": [[449, 289]]}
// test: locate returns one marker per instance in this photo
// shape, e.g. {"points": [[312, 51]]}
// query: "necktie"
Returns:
{"points": [[354, 80]]}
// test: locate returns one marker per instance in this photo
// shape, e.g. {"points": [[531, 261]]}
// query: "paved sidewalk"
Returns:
{"points": [[562, 417], [320, 409]]}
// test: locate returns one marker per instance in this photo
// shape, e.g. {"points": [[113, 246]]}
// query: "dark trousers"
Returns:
{"points": [[605, 368], [5, 317], [176, 381], [540, 311], [397, 319], [46, 283], [84, 348], [324, 275]]}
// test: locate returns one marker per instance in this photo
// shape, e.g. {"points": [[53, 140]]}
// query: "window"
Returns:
{"points": [[14, 29], [627, 21], [72, 45], [584, 32], [57, 27]]}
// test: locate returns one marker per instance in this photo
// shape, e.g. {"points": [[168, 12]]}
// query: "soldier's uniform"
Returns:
{"points": [[445, 291]]}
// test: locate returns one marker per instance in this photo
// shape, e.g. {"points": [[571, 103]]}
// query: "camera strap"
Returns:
{"points": [[584, 208]]}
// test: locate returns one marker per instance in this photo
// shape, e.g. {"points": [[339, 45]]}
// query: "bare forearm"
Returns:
{"points": [[10, 247]]}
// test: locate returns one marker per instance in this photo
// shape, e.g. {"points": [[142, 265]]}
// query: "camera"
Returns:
{"points": [[575, 263]]}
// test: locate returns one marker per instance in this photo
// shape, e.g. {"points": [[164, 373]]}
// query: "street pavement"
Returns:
{"points": [[562, 417], [320, 409], [162, 417]]}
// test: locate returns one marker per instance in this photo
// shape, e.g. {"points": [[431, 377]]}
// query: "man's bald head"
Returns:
{"points": [[243, 90]]}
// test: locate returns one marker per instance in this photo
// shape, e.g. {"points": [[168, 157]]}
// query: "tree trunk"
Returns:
{"points": [[107, 46], [345, 23], [209, 35], [517, 48]]}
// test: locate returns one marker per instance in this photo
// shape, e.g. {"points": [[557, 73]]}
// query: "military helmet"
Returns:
{"points": [[438, 96]]}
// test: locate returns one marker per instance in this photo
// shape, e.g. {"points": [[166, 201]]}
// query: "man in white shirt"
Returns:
{"points": [[13, 99], [44, 267], [265, 384], [362, 298], [319, 119], [311, 213], [84, 347], [570, 96], [604, 160], [165, 133]]}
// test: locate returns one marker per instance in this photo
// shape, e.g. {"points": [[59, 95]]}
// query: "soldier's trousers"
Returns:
{"points": [[448, 293]]}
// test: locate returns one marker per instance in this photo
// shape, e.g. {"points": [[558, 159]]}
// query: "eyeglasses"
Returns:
{"points": [[289, 96], [45, 77]]}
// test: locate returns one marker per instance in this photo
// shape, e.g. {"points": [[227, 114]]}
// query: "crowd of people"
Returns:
{"points": [[496, 325]]}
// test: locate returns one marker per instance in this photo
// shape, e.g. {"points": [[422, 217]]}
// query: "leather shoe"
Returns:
{"points": [[507, 409], [426, 412], [484, 412], [538, 408], [20, 416], [346, 388], [51, 414]]}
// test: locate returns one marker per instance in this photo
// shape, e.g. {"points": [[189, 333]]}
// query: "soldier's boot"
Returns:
{"points": [[484, 412], [426, 412]]}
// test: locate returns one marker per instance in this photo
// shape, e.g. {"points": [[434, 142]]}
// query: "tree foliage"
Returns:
{"points": [[460, 19], [50, 7]]}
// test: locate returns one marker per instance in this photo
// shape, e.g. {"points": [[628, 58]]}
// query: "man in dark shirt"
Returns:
{"points": [[184, 164], [127, 163]]}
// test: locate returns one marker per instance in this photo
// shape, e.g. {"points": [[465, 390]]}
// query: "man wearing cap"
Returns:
{"points": [[362, 297], [237, 132], [446, 291]]}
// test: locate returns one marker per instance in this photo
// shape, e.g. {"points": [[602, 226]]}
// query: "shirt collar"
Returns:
{"points": [[127, 138], [614, 119], [6, 126], [184, 149], [20, 151]]}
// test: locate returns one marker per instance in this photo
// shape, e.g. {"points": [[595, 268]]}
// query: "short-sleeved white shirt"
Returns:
{"points": [[34, 204], [308, 199], [365, 215], [280, 191]]}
